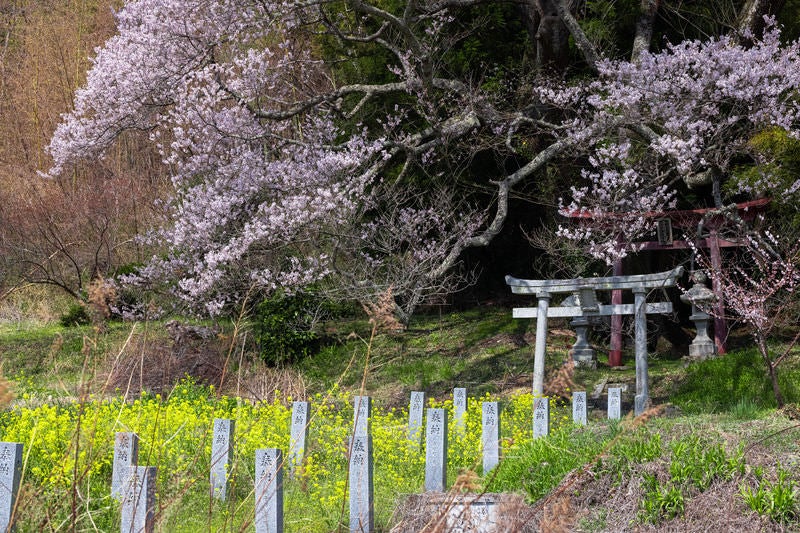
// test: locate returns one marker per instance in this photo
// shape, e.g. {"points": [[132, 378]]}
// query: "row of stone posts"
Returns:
{"points": [[134, 485]]}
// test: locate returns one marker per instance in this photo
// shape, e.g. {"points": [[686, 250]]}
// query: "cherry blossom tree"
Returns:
{"points": [[286, 176], [243, 114], [276, 166], [761, 290], [689, 115]]}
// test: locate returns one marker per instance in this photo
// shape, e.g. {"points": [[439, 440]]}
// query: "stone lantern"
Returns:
{"points": [[582, 352], [700, 297]]}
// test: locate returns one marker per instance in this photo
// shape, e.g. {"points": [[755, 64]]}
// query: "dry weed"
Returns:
{"points": [[256, 382], [558, 516], [630, 422], [31, 303], [467, 481], [154, 364], [101, 295], [6, 395], [561, 384], [381, 313]]}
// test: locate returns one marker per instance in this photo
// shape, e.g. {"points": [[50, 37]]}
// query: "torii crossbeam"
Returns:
{"points": [[584, 289]]}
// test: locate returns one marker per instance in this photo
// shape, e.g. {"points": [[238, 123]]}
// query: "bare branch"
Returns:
{"points": [[402, 27], [581, 41], [336, 32], [788, 349], [300, 107], [504, 187], [445, 4]]}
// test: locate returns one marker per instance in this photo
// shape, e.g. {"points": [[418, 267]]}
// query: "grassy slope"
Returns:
{"points": [[484, 350]]}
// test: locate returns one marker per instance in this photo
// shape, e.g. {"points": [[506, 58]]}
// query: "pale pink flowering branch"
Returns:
{"points": [[761, 290]]}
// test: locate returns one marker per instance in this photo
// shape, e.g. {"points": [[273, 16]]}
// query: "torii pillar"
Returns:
{"points": [[585, 289]]}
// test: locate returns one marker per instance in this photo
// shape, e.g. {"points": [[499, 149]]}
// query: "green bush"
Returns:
{"points": [[695, 463], [745, 409], [660, 502], [283, 326], [76, 315], [628, 450]]}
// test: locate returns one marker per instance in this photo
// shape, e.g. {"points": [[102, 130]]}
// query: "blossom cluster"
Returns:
{"points": [[687, 112], [760, 288], [248, 119], [200, 77]]}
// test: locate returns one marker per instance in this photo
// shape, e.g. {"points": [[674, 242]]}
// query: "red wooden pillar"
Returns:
{"points": [[720, 324], [615, 352]]}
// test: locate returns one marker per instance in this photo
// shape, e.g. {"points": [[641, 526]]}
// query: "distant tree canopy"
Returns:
{"points": [[82, 224], [363, 146]]}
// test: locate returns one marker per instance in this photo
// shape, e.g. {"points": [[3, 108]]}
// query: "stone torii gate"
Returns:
{"points": [[584, 290]]}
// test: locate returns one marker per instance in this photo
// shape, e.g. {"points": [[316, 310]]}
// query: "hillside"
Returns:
{"points": [[686, 465]]}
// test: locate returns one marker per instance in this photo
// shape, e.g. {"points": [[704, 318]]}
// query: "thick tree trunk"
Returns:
{"points": [[751, 17], [548, 34], [644, 28]]}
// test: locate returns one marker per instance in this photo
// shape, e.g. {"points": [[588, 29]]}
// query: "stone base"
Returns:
{"points": [[640, 404], [466, 513], [702, 350], [584, 358]]}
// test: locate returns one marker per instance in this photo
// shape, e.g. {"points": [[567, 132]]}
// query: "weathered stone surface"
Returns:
{"points": [[490, 435], [298, 434], [126, 455], [579, 407], [10, 474], [466, 513], [139, 500], [460, 409], [436, 450], [221, 457], [541, 417], [415, 409], [362, 513], [362, 410], [269, 491], [614, 403]]}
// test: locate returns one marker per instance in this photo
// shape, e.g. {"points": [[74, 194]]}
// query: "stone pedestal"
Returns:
{"points": [[702, 346], [465, 513], [583, 355]]}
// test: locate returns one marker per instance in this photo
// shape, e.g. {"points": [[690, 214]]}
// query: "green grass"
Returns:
{"points": [[736, 382], [478, 349], [539, 465], [726, 400], [53, 361]]}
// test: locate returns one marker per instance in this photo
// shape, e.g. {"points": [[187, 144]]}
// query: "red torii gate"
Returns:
{"points": [[684, 219]]}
